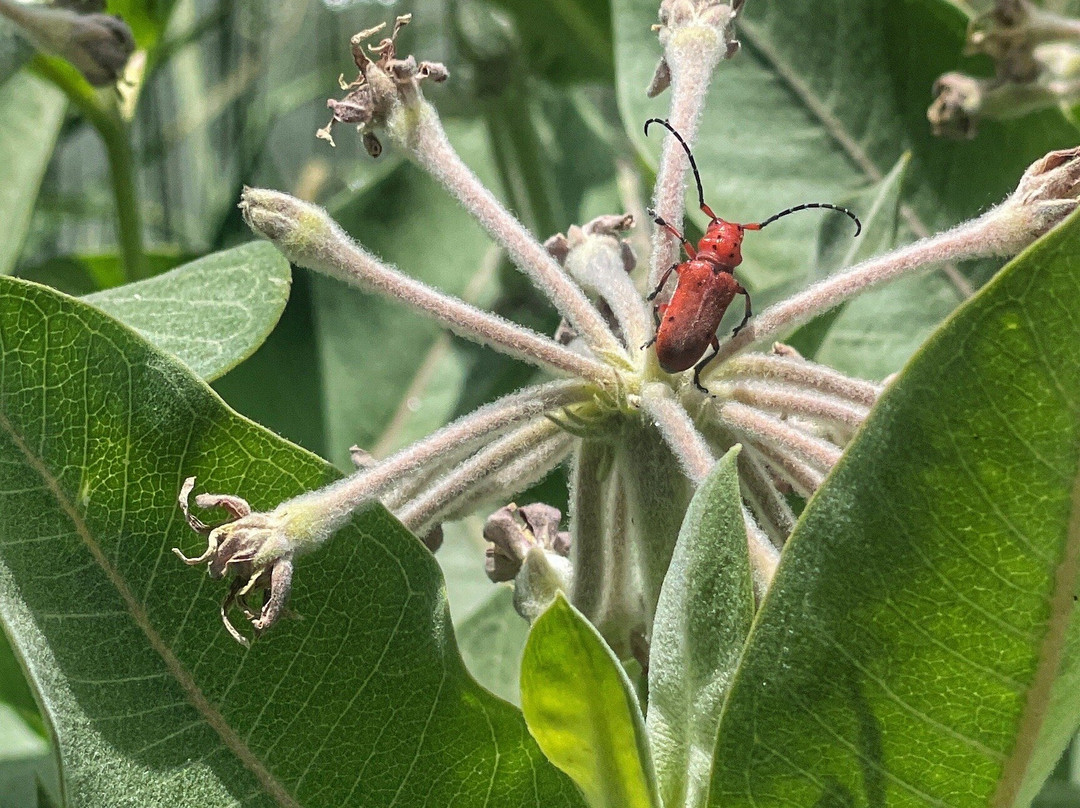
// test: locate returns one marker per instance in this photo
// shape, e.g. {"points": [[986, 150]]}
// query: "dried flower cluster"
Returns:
{"points": [[639, 439]]}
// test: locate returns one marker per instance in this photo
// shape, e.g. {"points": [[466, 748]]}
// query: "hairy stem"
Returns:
{"points": [[977, 238], [764, 557], [770, 431], [800, 476], [508, 481], [802, 373], [308, 237], [692, 50], [425, 510], [419, 130], [696, 459], [115, 134], [768, 504], [339, 500], [797, 402], [678, 430]]}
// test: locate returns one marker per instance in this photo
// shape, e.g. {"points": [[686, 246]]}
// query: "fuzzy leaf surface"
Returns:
{"points": [[704, 614], [906, 652], [212, 313], [363, 701]]}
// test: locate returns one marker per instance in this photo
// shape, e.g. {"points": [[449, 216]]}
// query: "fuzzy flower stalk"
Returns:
{"points": [[638, 439]]}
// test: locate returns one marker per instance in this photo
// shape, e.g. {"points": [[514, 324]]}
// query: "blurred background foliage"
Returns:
{"points": [[545, 102]]}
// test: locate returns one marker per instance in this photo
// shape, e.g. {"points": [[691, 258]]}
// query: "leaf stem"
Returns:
{"points": [[420, 515], [115, 134], [765, 429], [973, 239]]}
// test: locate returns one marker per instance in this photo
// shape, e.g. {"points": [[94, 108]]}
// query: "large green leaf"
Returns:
{"points": [[905, 653], [822, 100], [31, 111], [212, 313], [583, 711], [704, 614], [364, 701]]}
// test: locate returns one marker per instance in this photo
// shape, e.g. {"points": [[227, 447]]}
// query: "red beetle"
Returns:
{"points": [[686, 325]]}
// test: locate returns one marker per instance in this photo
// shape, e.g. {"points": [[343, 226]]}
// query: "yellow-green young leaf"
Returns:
{"points": [[705, 610], [906, 651], [583, 712], [212, 313], [361, 701]]}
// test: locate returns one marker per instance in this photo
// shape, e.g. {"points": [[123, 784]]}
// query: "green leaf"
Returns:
{"points": [[363, 701], [905, 652], [705, 610], [582, 710], [254, 389], [565, 41], [31, 111], [83, 274], [212, 313], [24, 757], [14, 690], [821, 101], [492, 640]]}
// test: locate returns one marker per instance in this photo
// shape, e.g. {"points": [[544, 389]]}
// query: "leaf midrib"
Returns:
{"points": [[1050, 655], [270, 784]]}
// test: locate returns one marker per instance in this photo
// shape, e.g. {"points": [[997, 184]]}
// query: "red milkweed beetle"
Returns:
{"points": [[686, 325]]}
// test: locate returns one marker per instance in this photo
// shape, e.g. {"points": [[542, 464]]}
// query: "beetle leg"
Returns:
{"points": [[747, 315], [658, 315], [663, 280], [686, 244], [714, 343]]}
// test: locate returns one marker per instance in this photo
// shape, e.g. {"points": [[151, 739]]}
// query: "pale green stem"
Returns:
{"points": [[116, 136]]}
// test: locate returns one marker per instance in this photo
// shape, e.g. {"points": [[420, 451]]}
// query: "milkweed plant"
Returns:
{"points": [[773, 581]]}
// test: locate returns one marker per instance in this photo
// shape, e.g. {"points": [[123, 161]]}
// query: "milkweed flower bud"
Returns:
{"points": [[512, 532], [304, 232], [99, 45], [1046, 194]]}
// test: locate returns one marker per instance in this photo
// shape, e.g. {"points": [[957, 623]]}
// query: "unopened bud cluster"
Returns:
{"points": [[1036, 56], [99, 45]]}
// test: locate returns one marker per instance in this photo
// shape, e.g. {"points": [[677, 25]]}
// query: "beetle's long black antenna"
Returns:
{"points": [[826, 205], [690, 156]]}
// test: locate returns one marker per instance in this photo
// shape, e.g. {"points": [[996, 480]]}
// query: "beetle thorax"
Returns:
{"points": [[722, 243]]}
